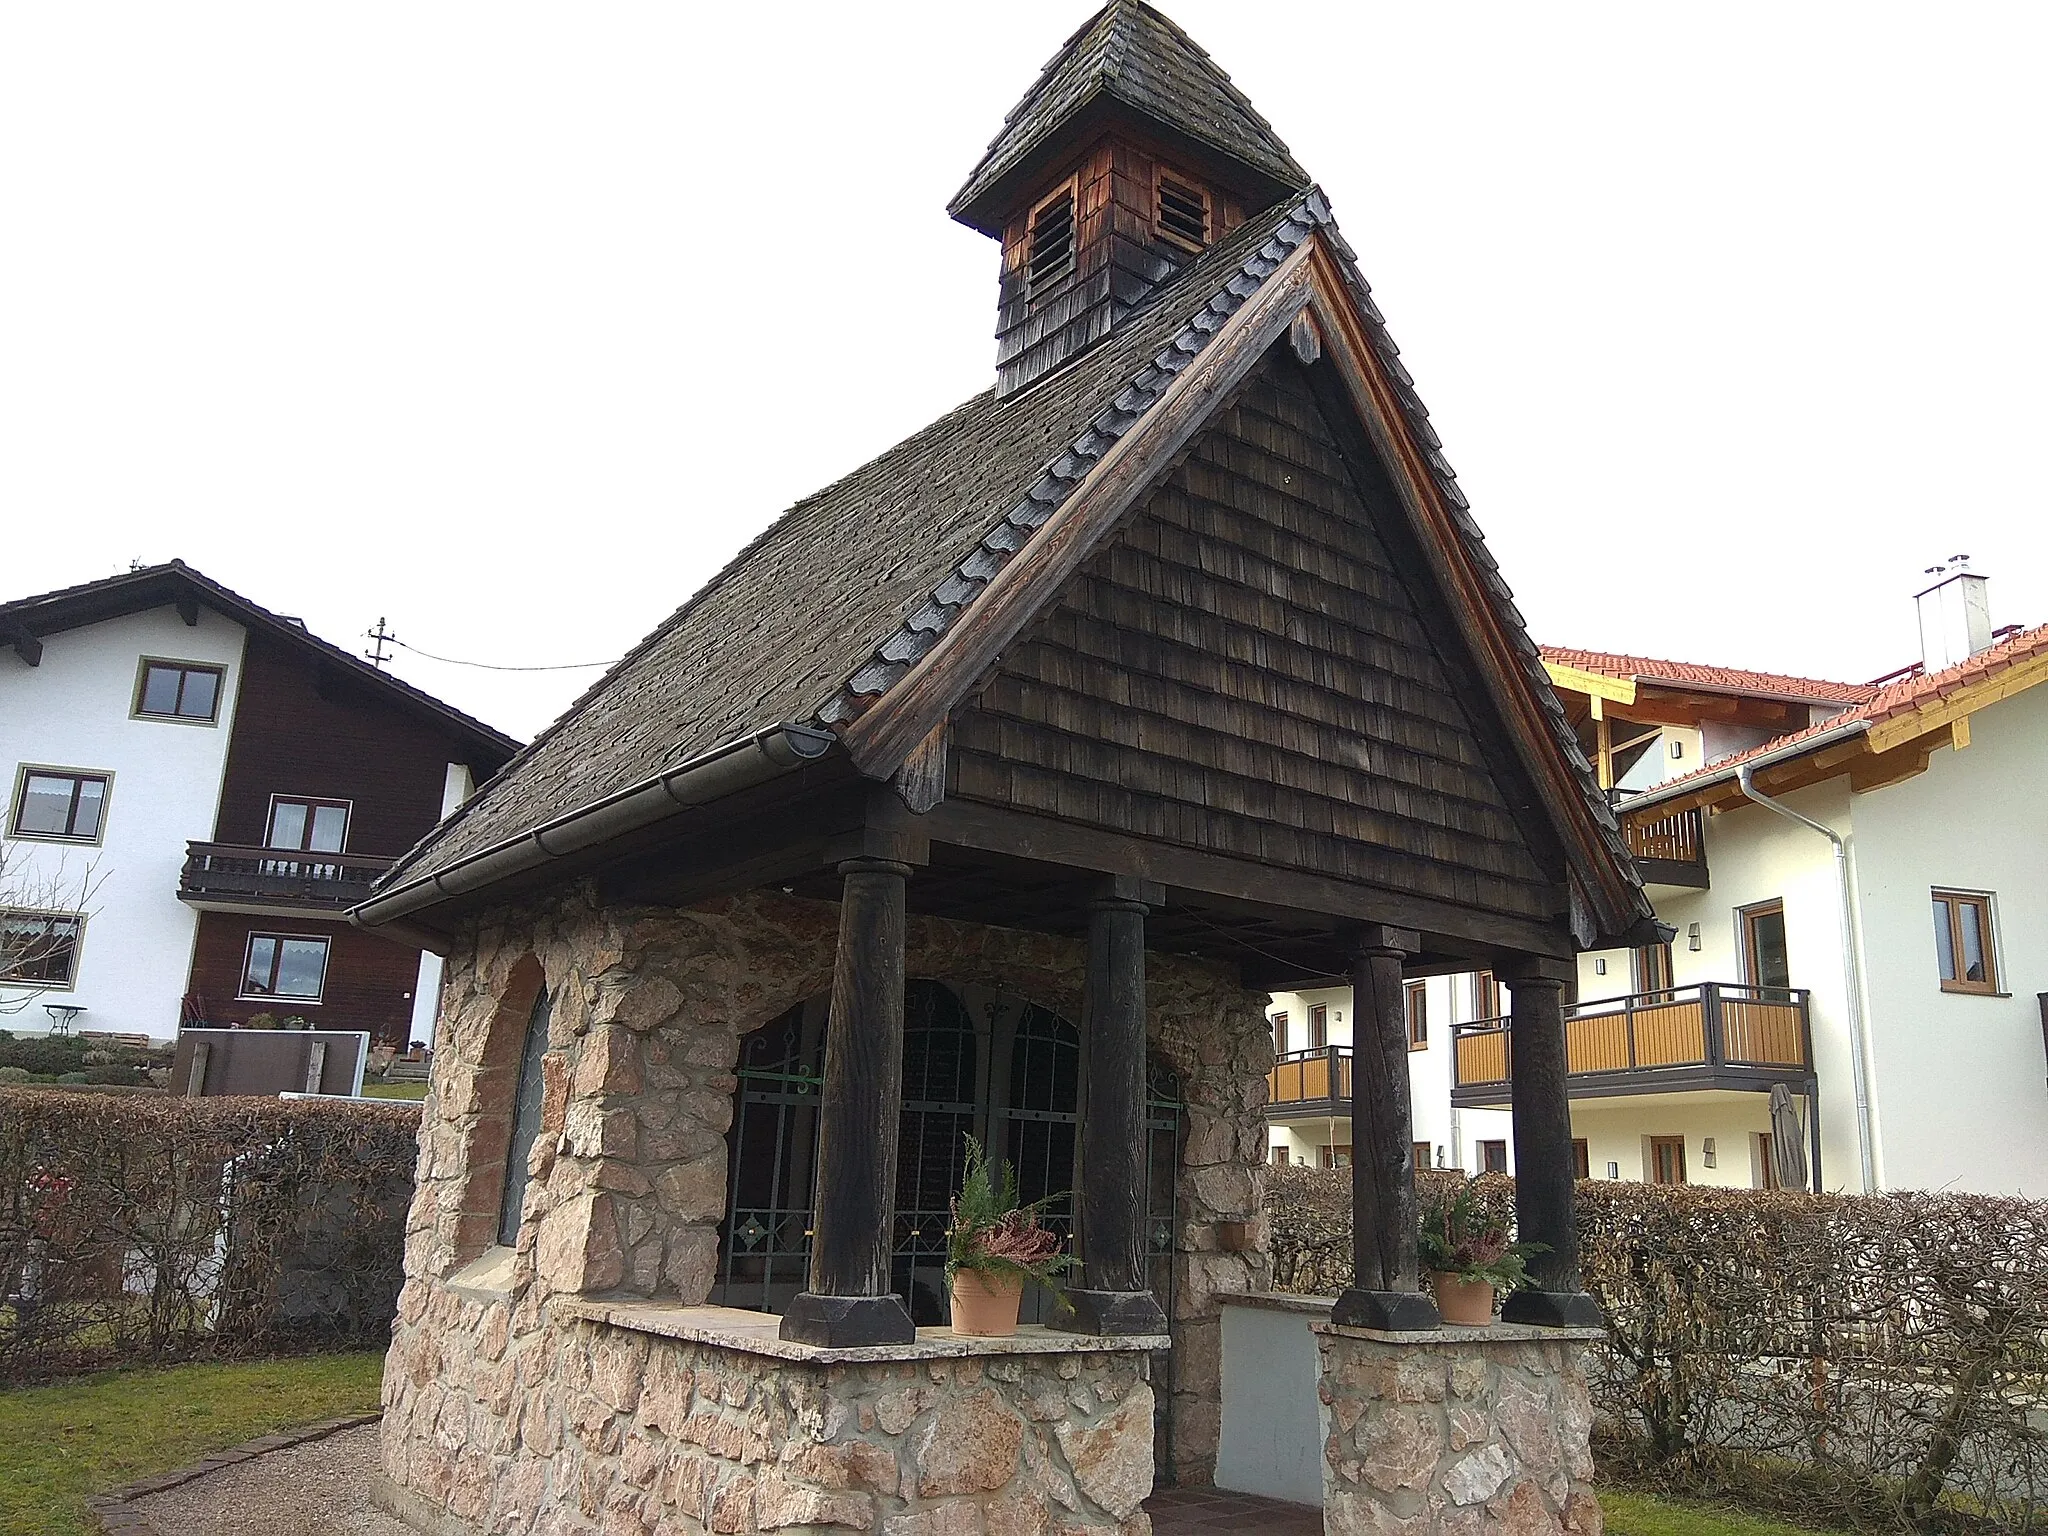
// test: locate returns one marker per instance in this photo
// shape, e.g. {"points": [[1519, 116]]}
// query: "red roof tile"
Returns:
{"points": [[1909, 693], [1770, 685]]}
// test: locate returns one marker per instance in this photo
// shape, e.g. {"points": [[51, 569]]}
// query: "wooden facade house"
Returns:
{"points": [[993, 788], [234, 783]]}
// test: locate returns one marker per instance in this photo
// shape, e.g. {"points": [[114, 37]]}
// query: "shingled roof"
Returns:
{"points": [[1128, 55], [850, 583], [831, 607]]}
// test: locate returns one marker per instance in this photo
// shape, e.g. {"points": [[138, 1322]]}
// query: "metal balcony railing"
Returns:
{"points": [[1711, 1024], [282, 877]]}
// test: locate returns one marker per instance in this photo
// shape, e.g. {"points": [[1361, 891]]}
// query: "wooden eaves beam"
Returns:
{"points": [[26, 645]]}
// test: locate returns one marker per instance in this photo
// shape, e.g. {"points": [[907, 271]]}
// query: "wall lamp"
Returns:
{"points": [[1692, 937]]}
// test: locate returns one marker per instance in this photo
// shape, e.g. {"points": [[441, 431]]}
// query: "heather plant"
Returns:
{"points": [[993, 1234]]}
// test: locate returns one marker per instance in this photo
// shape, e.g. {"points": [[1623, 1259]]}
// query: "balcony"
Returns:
{"points": [[223, 878], [1316, 1082], [1716, 1034], [1668, 850]]}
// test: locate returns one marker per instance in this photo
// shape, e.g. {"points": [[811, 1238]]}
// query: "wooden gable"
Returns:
{"points": [[1249, 667]]}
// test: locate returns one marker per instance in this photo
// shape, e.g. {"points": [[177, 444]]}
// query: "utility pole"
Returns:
{"points": [[378, 638]]}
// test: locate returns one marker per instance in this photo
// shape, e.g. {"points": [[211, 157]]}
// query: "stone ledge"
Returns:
{"points": [[1456, 1333], [1278, 1301], [755, 1333]]}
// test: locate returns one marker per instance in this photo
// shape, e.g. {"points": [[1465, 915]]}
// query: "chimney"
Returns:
{"points": [[1955, 616]]}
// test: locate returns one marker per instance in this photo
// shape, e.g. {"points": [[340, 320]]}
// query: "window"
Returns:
{"points": [[526, 1103], [1486, 996], [1493, 1157], [1049, 246], [1415, 999], [1423, 1153], [1280, 1157], [178, 690], [1180, 212], [1765, 962], [1337, 1157], [60, 805], [1318, 1026], [1963, 949], [285, 965], [1667, 1159], [1766, 1165], [318, 826], [1582, 1159], [1280, 1034], [1653, 968], [40, 949]]}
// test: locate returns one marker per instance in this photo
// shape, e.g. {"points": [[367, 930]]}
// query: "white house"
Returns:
{"points": [[197, 788]]}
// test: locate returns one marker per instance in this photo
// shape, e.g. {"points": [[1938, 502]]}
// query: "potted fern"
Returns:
{"points": [[1470, 1257], [994, 1245]]}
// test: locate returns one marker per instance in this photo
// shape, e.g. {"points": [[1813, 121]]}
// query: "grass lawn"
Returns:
{"points": [[394, 1090], [1637, 1514], [60, 1444]]}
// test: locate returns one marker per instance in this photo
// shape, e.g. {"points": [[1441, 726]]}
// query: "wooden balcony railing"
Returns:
{"points": [[279, 877], [1710, 1024], [1310, 1077], [1669, 850]]}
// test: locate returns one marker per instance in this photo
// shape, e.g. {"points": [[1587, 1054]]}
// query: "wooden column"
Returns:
{"points": [[1545, 1175], [848, 1301], [1385, 1288], [1113, 1298]]}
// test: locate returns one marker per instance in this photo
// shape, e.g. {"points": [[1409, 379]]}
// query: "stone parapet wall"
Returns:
{"points": [[582, 1427], [1469, 1432]]}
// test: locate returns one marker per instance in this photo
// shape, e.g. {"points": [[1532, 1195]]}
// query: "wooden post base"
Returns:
{"points": [[1388, 1311], [1109, 1313], [1553, 1309], [846, 1322]]}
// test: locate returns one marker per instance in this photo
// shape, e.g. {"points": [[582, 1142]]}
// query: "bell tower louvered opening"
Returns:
{"points": [[1180, 211], [1049, 258]]}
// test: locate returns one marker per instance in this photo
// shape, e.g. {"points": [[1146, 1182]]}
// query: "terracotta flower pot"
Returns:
{"points": [[986, 1305], [1467, 1302]]}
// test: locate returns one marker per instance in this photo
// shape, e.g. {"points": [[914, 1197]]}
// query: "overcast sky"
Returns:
{"points": [[512, 323]]}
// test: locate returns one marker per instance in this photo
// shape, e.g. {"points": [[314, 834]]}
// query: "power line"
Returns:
{"points": [[383, 636]]}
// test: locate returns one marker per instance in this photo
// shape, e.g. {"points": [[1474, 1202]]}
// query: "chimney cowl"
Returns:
{"points": [[1955, 617]]}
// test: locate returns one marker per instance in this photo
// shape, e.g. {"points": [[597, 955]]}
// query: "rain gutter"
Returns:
{"points": [[1852, 967], [1696, 781], [698, 781]]}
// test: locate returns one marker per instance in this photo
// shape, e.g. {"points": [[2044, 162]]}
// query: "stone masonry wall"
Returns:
{"points": [[1482, 1432], [628, 1174], [587, 1428]]}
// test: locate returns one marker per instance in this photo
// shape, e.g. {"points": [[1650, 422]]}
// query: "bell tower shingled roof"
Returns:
{"points": [[1129, 62]]}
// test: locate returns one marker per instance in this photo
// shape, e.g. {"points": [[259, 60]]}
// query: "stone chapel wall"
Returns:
{"points": [[628, 1180]]}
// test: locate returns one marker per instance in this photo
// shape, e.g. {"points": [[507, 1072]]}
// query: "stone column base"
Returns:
{"points": [[1116, 1313], [1457, 1431]]}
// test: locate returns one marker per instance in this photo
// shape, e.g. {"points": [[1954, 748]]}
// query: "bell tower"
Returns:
{"points": [[1130, 156]]}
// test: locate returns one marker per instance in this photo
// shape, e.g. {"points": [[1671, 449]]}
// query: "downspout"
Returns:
{"points": [[1852, 972]]}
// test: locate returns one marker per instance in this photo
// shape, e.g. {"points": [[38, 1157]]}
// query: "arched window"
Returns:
{"points": [[525, 1120]]}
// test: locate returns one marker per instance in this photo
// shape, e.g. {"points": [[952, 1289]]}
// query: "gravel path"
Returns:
{"points": [[321, 1488]]}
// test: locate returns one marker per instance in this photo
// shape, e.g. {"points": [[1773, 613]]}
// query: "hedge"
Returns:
{"points": [[1881, 1359], [141, 1228]]}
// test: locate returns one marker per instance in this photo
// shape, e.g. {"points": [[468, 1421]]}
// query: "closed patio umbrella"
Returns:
{"points": [[1788, 1140]]}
